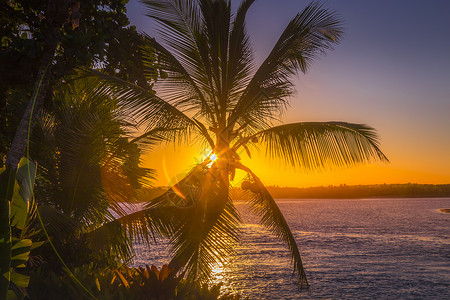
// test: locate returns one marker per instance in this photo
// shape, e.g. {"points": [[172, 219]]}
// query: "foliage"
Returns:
{"points": [[86, 162], [102, 38], [214, 91], [22, 210], [122, 283], [98, 39], [89, 165]]}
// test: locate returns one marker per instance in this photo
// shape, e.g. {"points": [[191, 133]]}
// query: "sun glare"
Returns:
{"points": [[213, 157]]}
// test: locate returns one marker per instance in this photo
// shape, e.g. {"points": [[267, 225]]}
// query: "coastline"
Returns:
{"points": [[377, 191]]}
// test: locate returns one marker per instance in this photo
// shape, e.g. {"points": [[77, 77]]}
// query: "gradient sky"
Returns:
{"points": [[391, 71]]}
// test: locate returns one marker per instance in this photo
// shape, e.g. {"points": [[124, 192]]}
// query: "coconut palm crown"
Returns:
{"points": [[212, 89]]}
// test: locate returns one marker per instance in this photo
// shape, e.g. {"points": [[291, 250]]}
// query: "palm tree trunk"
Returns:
{"points": [[56, 15], [29, 118]]}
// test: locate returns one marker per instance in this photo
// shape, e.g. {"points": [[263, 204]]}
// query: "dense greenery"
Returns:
{"points": [[17, 234], [86, 155], [89, 163], [43, 41]]}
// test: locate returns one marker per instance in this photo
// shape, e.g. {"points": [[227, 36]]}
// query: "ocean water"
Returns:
{"points": [[351, 249]]}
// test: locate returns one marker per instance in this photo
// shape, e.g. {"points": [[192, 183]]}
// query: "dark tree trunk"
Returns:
{"points": [[57, 14], [19, 144]]}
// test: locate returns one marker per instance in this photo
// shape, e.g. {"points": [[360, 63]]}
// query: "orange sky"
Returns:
{"points": [[171, 163], [391, 72]]}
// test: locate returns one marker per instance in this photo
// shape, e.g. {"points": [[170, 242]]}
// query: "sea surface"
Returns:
{"points": [[351, 249]]}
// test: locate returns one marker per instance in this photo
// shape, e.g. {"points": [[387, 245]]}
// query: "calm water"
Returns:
{"points": [[351, 249]]}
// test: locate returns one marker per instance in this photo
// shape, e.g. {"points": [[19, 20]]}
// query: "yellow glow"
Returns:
{"points": [[404, 168]]}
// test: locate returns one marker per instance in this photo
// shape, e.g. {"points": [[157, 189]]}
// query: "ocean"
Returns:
{"points": [[351, 249]]}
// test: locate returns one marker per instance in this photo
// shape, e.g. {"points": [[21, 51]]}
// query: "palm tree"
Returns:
{"points": [[212, 90], [88, 164]]}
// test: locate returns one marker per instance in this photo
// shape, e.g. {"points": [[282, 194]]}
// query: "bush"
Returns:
{"points": [[124, 283]]}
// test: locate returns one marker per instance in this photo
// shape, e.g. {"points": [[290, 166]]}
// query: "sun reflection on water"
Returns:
{"points": [[221, 275]]}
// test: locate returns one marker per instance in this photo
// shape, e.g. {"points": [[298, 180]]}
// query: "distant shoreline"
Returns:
{"points": [[410, 190], [382, 191]]}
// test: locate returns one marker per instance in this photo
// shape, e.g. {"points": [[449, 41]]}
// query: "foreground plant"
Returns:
{"points": [[122, 283], [15, 241], [213, 90]]}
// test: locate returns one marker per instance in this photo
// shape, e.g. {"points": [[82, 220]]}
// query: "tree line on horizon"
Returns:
{"points": [[409, 190], [343, 191]]}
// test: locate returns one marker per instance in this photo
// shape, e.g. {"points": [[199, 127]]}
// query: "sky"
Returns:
{"points": [[391, 71]]}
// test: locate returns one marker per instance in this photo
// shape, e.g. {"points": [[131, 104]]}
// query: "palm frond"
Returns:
{"points": [[208, 234], [179, 86], [181, 29], [162, 215], [110, 239], [308, 34], [58, 225], [138, 102], [216, 27], [240, 61], [198, 217], [87, 163], [179, 25], [320, 145], [264, 206], [156, 221]]}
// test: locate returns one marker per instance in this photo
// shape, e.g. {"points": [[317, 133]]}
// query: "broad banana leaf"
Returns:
{"points": [[16, 195]]}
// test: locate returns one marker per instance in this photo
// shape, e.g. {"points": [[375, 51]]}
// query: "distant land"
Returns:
{"points": [[409, 190]]}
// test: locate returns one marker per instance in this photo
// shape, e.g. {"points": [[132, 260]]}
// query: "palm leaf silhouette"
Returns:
{"points": [[212, 89]]}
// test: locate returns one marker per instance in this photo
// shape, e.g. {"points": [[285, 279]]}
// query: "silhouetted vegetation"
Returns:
{"points": [[123, 283], [409, 190]]}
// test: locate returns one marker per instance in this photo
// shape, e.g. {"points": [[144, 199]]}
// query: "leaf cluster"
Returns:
{"points": [[146, 282], [103, 39], [89, 165]]}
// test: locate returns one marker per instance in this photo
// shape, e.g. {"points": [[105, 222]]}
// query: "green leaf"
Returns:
{"points": [[37, 244], [6, 191], [20, 280], [26, 174], [19, 209], [23, 192], [25, 243], [11, 295], [20, 252]]}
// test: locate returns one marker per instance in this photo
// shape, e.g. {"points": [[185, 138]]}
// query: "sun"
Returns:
{"points": [[209, 156]]}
